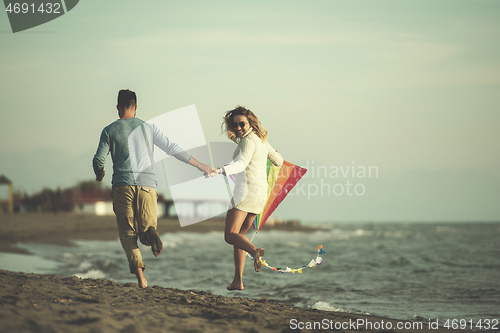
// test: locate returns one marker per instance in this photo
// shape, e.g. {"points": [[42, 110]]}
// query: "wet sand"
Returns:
{"points": [[47, 303]]}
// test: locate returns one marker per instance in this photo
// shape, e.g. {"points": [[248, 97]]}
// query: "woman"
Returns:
{"points": [[250, 193]]}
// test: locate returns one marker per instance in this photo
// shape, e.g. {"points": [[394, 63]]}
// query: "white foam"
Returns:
{"points": [[84, 265], [363, 233], [68, 255], [324, 306], [92, 274], [293, 244]]}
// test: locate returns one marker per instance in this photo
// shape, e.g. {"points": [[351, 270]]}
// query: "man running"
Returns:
{"points": [[131, 142]]}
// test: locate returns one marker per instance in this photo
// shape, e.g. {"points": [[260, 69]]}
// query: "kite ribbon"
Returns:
{"points": [[314, 262]]}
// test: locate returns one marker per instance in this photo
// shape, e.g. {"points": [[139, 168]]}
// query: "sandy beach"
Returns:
{"points": [[48, 303]]}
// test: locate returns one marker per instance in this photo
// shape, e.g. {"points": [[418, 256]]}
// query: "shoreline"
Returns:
{"points": [[50, 303], [61, 228]]}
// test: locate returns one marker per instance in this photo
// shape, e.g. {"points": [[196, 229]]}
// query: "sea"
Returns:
{"points": [[416, 271]]}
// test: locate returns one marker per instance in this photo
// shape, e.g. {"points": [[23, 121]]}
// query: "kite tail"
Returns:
{"points": [[251, 240], [314, 262]]}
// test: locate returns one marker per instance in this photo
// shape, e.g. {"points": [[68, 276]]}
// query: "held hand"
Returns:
{"points": [[213, 173], [205, 168], [200, 166], [101, 177]]}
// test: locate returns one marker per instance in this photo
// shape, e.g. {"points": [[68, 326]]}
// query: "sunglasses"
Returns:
{"points": [[240, 124]]}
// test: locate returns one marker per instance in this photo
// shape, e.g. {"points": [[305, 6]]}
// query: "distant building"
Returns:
{"points": [[94, 203], [6, 195], [101, 204]]}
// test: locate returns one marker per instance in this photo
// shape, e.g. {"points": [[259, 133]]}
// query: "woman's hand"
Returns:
{"points": [[213, 173]]}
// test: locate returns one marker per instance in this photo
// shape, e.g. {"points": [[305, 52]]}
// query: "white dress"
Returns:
{"points": [[250, 169]]}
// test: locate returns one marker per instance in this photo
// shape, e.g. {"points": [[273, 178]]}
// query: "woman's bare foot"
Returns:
{"points": [[235, 286], [257, 259], [141, 280]]}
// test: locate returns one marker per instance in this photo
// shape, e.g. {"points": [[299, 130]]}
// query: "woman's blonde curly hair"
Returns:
{"points": [[227, 124]]}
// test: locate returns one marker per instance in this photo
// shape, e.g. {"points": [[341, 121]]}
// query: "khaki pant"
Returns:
{"points": [[135, 210]]}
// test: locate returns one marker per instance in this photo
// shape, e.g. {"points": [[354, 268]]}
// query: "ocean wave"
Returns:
{"points": [[400, 261], [326, 307], [91, 274], [373, 267]]}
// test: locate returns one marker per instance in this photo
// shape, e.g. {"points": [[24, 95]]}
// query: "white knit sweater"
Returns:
{"points": [[250, 192]]}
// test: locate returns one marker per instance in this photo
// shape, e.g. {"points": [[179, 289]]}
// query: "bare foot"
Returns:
{"points": [[235, 286], [257, 262], [141, 280], [156, 243]]}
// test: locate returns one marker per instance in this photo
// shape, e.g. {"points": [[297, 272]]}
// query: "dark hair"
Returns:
{"points": [[126, 98]]}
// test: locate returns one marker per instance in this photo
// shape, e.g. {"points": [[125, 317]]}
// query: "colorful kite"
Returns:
{"points": [[280, 182]]}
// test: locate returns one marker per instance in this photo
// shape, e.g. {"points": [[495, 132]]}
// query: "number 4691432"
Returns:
{"points": [[484, 324], [25, 8]]}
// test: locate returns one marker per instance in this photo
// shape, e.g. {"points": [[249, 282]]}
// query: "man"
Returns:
{"points": [[131, 142]]}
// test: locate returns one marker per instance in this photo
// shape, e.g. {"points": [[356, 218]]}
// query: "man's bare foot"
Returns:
{"points": [[257, 259], [141, 280], [154, 241], [235, 286]]}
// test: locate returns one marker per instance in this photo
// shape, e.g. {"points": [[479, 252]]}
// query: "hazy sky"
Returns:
{"points": [[411, 88]]}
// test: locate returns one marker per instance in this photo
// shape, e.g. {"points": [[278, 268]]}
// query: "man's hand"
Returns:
{"points": [[99, 178], [200, 166], [205, 168]]}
